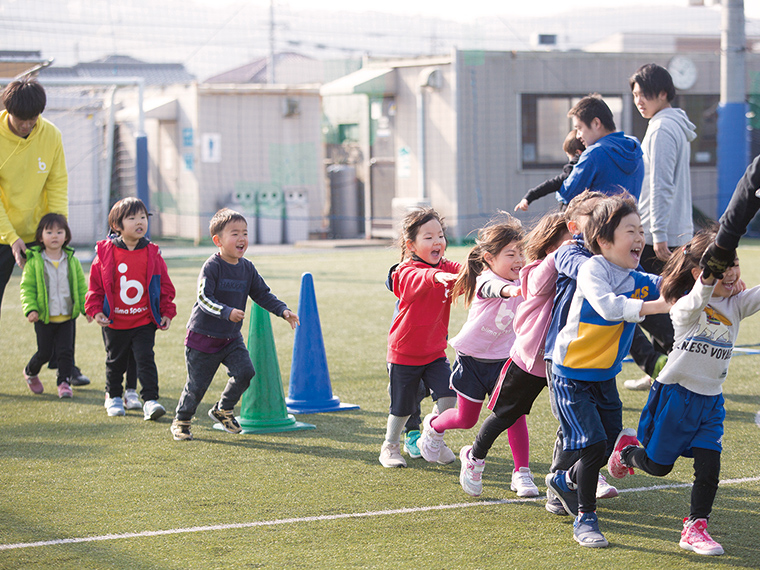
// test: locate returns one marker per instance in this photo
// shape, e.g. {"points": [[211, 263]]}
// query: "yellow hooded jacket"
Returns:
{"points": [[33, 179]]}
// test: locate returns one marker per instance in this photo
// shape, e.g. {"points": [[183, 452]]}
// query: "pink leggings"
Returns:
{"points": [[466, 415]]}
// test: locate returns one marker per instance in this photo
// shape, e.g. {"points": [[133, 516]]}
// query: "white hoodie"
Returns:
{"points": [[665, 201]]}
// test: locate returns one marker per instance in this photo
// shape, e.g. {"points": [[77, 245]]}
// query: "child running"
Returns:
{"points": [[685, 412], [611, 297], [523, 376], [213, 338], [490, 283], [130, 296], [53, 289], [417, 339]]}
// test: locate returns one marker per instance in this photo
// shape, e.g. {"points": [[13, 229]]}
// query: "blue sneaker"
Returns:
{"points": [[410, 444], [567, 496], [586, 531]]}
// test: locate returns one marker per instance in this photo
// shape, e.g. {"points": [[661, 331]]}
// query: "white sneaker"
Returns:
{"points": [[604, 490], [131, 401], [641, 384], [390, 455], [446, 456], [152, 410], [471, 472], [114, 406], [522, 483], [430, 441]]}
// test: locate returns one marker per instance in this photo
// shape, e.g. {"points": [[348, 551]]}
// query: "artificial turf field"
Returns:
{"points": [[84, 490]]}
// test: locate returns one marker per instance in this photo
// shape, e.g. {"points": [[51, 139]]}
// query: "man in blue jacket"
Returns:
{"points": [[612, 161]]}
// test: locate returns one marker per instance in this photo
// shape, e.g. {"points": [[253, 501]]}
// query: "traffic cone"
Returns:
{"points": [[310, 391], [262, 407]]}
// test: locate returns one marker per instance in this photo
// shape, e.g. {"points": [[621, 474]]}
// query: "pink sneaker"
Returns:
{"points": [[34, 383], [64, 390], [694, 537], [615, 465]]}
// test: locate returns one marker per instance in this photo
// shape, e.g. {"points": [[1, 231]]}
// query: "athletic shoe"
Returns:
{"points": [[64, 390], [114, 406], [181, 430], [224, 417], [694, 537], [34, 383], [553, 504], [430, 441], [522, 483], [446, 456], [390, 455], [641, 384], [471, 472], [410, 444], [152, 410], [615, 465], [586, 531], [78, 379], [131, 401], [568, 497], [604, 490]]}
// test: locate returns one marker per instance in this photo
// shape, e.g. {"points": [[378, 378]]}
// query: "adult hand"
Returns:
{"points": [[715, 260], [19, 252], [662, 251]]}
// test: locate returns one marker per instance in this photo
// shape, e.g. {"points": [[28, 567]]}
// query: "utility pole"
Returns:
{"points": [[733, 139]]}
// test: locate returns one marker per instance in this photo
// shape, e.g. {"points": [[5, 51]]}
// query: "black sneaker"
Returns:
{"points": [[181, 430], [77, 378], [568, 497], [226, 418]]}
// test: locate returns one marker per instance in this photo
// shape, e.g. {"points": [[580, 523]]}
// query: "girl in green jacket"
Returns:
{"points": [[52, 296]]}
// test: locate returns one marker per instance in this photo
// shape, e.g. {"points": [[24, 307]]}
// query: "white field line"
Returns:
{"points": [[148, 533]]}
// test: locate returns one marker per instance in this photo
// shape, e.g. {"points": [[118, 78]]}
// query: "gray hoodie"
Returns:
{"points": [[665, 201]]}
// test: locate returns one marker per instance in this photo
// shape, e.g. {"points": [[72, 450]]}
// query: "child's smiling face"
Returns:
{"points": [[508, 262], [628, 241], [430, 243], [232, 241]]}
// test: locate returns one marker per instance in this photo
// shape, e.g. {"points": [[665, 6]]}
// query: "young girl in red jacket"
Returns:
{"points": [[130, 296], [417, 339]]}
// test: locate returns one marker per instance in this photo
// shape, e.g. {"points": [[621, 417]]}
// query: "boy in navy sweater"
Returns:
{"points": [[214, 335]]}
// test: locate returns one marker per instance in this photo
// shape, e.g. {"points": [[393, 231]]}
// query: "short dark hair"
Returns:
{"points": [[605, 218], [593, 107], [223, 217], [572, 143], [122, 209], [24, 98], [653, 79], [50, 221]]}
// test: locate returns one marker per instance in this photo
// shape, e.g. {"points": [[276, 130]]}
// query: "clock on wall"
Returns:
{"points": [[683, 71]]}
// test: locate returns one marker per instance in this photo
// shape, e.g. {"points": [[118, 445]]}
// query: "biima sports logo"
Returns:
{"points": [[127, 286], [41, 165]]}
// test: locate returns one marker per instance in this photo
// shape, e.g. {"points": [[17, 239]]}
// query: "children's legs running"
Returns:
{"points": [[394, 428], [464, 416], [637, 458], [201, 368], [519, 442], [706, 476], [492, 428], [585, 474], [240, 370]]}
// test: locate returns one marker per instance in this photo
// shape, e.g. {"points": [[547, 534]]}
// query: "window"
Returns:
{"points": [[545, 125], [348, 133], [703, 112]]}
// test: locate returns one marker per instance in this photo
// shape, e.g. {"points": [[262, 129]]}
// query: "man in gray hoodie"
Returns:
{"points": [[665, 201]]}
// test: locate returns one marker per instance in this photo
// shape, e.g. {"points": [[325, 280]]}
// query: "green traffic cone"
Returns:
{"points": [[262, 407]]}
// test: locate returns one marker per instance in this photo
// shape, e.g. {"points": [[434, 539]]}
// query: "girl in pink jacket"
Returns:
{"points": [[523, 376]]}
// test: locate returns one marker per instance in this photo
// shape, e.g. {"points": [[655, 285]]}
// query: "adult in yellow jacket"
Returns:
{"points": [[33, 177]]}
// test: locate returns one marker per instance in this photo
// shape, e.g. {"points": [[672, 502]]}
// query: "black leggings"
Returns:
{"points": [[706, 476]]}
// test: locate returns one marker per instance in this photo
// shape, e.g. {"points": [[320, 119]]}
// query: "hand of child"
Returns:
{"points": [[88, 317], [511, 291], [291, 317], [655, 307], [33, 317], [236, 315], [445, 278], [165, 323], [522, 205], [102, 320]]}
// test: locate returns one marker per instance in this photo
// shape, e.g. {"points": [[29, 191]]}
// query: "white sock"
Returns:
{"points": [[395, 428]]}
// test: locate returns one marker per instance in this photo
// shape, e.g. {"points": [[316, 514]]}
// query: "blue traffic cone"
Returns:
{"points": [[310, 391], [262, 407]]}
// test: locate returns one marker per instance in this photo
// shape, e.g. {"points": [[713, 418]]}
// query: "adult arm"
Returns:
{"points": [[57, 183], [741, 209], [663, 156]]}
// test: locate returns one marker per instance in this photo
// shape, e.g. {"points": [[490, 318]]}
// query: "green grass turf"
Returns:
{"points": [[69, 471]]}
